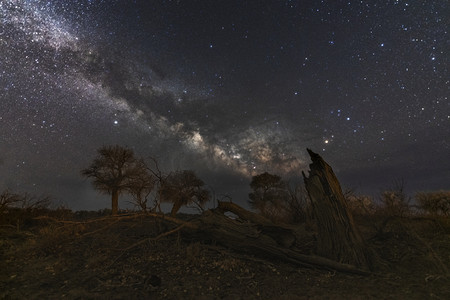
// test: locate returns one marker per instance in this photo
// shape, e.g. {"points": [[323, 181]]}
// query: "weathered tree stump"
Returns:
{"points": [[338, 238]]}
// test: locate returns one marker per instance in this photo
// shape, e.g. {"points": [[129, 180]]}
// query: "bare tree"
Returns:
{"points": [[8, 199], [32, 202], [155, 170], [115, 170], [183, 188], [24, 201], [270, 196], [140, 190]]}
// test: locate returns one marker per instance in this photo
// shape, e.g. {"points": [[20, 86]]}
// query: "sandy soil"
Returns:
{"points": [[117, 259]]}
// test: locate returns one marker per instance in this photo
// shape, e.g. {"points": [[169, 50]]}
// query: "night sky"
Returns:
{"points": [[228, 89]]}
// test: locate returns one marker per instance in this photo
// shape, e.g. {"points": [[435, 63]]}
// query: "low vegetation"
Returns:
{"points": [[63, 254]]}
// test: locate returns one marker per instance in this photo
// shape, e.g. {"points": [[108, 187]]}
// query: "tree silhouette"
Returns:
{"points": [[183, 188], [270, 195], [140, 189], [115, 170], [8, 199]]}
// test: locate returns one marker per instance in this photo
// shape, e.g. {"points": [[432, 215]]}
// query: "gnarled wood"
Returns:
{"points": [[285, 235], [338, 237], [249, 239], [243, 214]]}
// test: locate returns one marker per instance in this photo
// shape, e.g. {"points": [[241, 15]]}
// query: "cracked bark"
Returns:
{"points": [[338, 238]]}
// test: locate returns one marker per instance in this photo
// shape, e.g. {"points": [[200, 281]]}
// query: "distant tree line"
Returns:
{"points": [[116, 170]]}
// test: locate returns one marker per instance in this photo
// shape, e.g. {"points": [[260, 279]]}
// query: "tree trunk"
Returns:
{"points": [[255, 235], [338, 238], [242, 213], [251, 238], [114, 202], [283, 234], [175, 208]]}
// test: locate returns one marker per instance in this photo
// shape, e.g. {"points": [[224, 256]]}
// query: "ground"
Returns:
{"points": [[119, 258]]}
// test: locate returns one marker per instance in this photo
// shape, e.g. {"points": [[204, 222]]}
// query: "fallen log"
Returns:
{"points": [[243, 213], [252, 234], [285, 235], [247, 238], [255, 236]]}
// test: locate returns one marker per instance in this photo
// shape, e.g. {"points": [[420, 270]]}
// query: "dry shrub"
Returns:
{"points": [[53, 238], [292, 209], [299, 208], [54, 234], [61, 213], [20, 209], [434, 203], [8, 200], [361, 204], [395, 202], [228, 264], [277, 200]]}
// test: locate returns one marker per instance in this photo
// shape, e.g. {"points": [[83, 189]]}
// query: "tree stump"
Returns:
{"points": [[338, 237]]}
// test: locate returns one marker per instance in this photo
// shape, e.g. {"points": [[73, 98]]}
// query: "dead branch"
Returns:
{"points": [[114, 217]]}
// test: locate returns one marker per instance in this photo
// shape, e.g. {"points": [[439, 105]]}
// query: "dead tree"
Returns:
{"points": [[249, 233], [339, 244], [256, 235], [338, 238]]}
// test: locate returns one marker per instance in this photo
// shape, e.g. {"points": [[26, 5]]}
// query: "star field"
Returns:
{"points": [[228, 89]]}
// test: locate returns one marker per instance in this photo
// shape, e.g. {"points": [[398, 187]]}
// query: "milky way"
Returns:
{"points": [[228, 89]]}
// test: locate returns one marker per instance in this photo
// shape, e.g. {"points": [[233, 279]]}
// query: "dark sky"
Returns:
{"points": [[227, 88]]}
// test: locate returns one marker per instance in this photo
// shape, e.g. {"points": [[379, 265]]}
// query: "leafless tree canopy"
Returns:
{"points": [[183, 188], [24, 201], [140, 190], [270, 195], [8, 199], [116, 170]]}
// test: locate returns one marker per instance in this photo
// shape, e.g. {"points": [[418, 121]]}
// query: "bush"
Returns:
{"points": [[8, 200], [395, 201], [20, 209], [434, 203], [360, 204]]}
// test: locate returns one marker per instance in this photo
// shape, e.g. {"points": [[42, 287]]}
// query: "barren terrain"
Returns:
{"points": [[77, 256]]}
